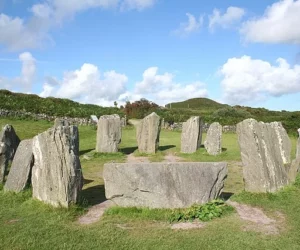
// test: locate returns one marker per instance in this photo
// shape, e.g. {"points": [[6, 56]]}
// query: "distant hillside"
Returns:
{"points": [[197, 103], [50, 105], [212, 111]]}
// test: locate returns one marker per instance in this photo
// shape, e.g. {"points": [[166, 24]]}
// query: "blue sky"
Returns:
{"points": [[101, 51]]}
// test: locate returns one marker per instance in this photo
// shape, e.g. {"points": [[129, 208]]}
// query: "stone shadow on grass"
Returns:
{"points": [[128, 151], [163, 148], [226, 195], [86, 181], [82, 152], [94, 195], [224, 149]]}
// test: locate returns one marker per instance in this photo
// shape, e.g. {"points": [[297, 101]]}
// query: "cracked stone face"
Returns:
{"points": [[265, 151], [163, 185]]}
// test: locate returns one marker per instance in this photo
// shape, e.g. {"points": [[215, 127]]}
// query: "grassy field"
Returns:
{"points": [[29, 224]]}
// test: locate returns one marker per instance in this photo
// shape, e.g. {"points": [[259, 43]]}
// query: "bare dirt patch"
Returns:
{"points": [[95, 213], [258, 220], [136, 159], [172, 158]]}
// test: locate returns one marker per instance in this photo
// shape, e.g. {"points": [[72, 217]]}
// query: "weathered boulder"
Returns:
{"points": [[163, 185], [109, 133], [191, 135], [20, 171], [264, 152], [61, 122], [147, 133], [213, 141], [56, 174], [9, 142], [298, 145]]}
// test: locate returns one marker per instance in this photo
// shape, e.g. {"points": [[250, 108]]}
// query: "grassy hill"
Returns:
{"points": [[50, 105], [197, 103]]}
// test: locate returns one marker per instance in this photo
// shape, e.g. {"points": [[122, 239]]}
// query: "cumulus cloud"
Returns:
{"points": [[279, 24], [227, 20], [191, 26], [26, 79], [163, 89], [87, 85], [249, 80], [20, 33]]}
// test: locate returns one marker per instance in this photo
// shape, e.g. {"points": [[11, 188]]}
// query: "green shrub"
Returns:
{"points": [[203, 212]]}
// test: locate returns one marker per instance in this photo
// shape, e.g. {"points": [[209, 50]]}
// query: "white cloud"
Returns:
{"points": [[162, 89], [191, 26], [227, 20], [86, 85], [26, 79], [28, 70], [18, 33], [249, 80], [279, 24], [137, 4]]}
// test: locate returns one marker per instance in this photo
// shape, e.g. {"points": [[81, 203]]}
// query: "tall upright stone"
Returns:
{"points": [[298, 145], [191, 136], [109, 133], [264, 150], [20, 171], [147, 134], [9, 142], [213, 142], [56, 174], [61, 122]]}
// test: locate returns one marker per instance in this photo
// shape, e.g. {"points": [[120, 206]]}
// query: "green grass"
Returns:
{"points": [[29, 224]]}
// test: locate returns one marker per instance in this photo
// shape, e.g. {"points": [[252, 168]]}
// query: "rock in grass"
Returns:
{"points": [[213, 142], [163, 185], [191, 135], [265, 150], [56, 174], [20, 171], [109, 133], [9, 142], [147, 134], [61, 122]]}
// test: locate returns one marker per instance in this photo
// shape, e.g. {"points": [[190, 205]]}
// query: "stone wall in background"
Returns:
{"points": [[23, 115], [86, 121], [205, 127]]}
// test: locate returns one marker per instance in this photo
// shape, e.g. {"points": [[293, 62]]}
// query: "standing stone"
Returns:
{"points": [[147, 134], [56, 174], [109, 134], [9, 143], [19, 174], [298, 145], [123, 122], [163, 185], [191, 135], [61, 122], [263, 152], [213, 142]]}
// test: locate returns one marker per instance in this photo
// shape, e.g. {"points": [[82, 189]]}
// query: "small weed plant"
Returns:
{"points": [[204, 212]]}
